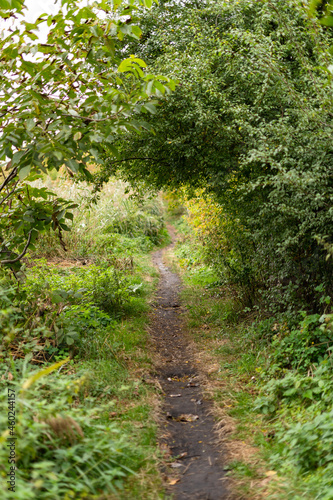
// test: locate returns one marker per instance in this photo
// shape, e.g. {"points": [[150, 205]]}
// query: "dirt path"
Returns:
{"points": [[188, 428]]}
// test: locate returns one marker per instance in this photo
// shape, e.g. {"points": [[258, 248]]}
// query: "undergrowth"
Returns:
{"points": [[274, 381], [73, 351]]}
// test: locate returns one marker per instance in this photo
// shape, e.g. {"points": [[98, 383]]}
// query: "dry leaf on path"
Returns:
{"points": [[187, 417]]}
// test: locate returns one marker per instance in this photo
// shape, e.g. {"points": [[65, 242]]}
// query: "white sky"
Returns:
{"points": [[34, 9], [37, 7]]}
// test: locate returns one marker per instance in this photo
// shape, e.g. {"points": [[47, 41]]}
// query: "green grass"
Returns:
{"points": [[97, 314], [273, 384]]}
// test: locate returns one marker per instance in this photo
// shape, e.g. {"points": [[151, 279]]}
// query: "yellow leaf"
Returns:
{"points": [[31, 380], [270, 473]]}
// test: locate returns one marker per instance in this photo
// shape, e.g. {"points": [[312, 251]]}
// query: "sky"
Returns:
{"points": [[37, 7], [34, 9]]}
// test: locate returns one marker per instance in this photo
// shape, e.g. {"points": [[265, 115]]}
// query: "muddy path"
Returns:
{"points": [[187, 428]]}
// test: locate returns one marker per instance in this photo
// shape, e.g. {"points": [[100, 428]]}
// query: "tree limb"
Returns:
{"points": [[9, 194], [12, 261], [9, 178]]}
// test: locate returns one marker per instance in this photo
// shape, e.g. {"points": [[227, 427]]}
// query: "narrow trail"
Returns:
{"points": [[188, 427]]}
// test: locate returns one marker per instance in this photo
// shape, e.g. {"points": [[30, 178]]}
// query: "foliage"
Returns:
{"points": [[249, 122], [320, 7], [48, 312], [111, 227], [225, 244], [274, 379], [47, 315], [62, 103], [61, 452], [83, 430]]}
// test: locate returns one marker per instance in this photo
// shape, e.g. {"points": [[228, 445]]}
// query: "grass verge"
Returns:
{"points": [[269, 384], [74, 360]]}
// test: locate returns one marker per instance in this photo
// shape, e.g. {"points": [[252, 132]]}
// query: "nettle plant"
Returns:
{"points": [[62, 103]]}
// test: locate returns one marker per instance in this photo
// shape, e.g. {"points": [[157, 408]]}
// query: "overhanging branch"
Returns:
{"points": [[12, 261]]}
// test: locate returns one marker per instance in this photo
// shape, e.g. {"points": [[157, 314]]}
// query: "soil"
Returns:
{"points": [[187, 429]]}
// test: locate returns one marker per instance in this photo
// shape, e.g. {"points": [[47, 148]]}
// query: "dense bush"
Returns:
{"points": [[250, 122], [87, 307]]}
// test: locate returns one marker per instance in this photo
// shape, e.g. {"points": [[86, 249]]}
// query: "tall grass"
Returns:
{"points": [[84, 430], [112, 222]]}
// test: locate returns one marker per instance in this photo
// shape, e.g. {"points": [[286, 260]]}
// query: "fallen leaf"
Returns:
{"points": [[187, 417], [10, 376], [175, 465], [214, 368], [173, 481], [270, 473]]}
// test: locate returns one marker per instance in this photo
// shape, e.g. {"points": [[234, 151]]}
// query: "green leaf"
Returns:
{"points": [[30, 123], [58, 155], [17, 157], [150, 107], [136, 31], [327, 21], [56, 298], [160, 87], [125, 65], [73, 165], [24, 172], [109, 43]]}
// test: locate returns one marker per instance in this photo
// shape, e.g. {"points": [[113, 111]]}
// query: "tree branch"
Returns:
{"points": [[10, 193], [9, 178], [138, 158], [12, 261]]}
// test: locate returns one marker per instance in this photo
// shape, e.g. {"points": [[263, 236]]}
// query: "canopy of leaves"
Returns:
{"points": [[251, 120]]}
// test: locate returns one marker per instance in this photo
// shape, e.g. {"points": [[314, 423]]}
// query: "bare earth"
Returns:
{"points": [[187, 426]]}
